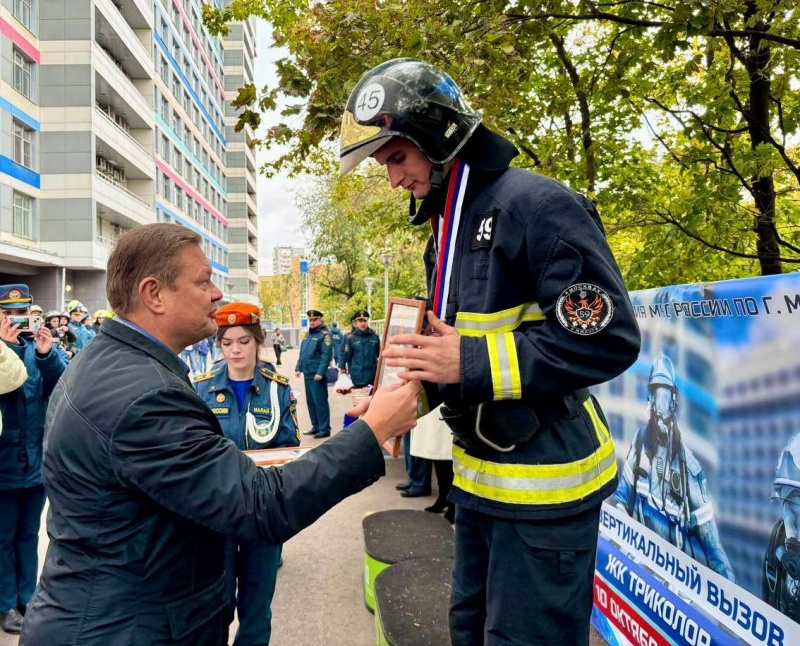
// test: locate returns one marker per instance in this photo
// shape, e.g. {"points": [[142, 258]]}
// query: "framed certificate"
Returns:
{"points": [[276, 457], [405, 316]]}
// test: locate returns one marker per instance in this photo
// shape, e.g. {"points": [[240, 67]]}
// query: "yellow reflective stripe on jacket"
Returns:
{"points": [[503, 361], [474, 324], [540, 484]]}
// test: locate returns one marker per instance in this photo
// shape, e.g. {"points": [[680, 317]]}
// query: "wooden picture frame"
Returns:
{"points": [[405, 316], [276, 457]]}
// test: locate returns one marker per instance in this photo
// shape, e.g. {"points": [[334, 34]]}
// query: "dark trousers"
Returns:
{"points": [[20, 517], [513, 583], [444, 480], [317, 399], [251, 570], [418, 469], [277, 349]]}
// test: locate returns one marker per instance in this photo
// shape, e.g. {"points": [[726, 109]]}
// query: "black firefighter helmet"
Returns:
{"points": [[407, 98]]}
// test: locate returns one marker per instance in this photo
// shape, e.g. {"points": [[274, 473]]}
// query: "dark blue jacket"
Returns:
{"points": [[24, 412], [143, 489], [360, 355], [543, 314], [82, 334], [316, 351], [338, 339], [268, 397]]}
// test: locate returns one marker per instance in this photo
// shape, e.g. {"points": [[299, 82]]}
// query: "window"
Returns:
{"points": [[23, 145], [23, 216], [22, 12], [23, 70]]}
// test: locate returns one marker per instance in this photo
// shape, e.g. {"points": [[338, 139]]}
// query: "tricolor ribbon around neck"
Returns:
{"points": [[445, 233]]}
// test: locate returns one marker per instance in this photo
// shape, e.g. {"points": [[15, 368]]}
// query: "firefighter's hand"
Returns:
{"points": [[435, 358]]}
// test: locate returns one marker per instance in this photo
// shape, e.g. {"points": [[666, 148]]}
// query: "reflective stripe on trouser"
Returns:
{"points": [[547, 484]]}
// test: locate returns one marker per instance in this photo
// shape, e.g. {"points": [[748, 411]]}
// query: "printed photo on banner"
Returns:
{"points": [[707, 431]]}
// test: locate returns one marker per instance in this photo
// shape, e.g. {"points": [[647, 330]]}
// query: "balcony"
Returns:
{"points": [[117, 137], [117, 203], [111, 78], [116, 35], [252, 207]]}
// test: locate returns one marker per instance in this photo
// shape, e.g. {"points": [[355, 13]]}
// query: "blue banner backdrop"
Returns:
{"points": [[707, 431]]}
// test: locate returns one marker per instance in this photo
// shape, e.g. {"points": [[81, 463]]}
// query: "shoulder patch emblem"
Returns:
{"points": [[584, 309], [327, 340], [202, 376]]}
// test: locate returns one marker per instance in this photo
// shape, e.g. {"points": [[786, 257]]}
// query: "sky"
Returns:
{"points": [[278, 216]]}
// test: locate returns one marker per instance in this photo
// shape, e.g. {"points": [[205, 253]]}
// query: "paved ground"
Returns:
{"points": [[319, 598]]}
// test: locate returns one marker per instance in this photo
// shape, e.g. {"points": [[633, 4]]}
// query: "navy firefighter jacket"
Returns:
{"points": [[269, 417], [360, 355], [543, 313], [316, 352]]}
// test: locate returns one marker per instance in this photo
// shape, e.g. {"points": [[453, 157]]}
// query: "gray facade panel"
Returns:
{"points": [[78, 96], [77, 74], [52, 142], [237, 185], [51, 96], [51, 29], [78, 29], [236, 210]]}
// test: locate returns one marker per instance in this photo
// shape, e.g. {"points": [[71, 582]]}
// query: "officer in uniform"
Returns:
{"points": [[360, 351], [528, 310], [256, 410], [781, 578], [663, 486], [316, 351]]}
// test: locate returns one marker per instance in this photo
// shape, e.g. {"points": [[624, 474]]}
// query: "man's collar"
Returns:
{"points": [[131, 333]]}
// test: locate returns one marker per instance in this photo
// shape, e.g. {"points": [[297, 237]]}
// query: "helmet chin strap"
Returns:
{"points": [[436, 179]]}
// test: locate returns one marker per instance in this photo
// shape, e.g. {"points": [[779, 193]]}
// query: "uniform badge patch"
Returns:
{"points": [[584, 309], [231, 318], [482, 236], [220, 398]]}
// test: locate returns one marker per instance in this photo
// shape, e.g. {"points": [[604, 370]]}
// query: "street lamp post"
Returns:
{"points": [[369, 282], [386, 259]]}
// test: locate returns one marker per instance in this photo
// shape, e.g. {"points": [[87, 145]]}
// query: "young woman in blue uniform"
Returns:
{"points": [[256, 410]]}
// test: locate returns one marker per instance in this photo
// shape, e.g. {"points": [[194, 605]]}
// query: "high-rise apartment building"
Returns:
{"points": [[114, 114], [282, 259]]}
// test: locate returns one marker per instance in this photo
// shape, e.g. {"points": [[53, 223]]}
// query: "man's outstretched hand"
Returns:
{"points": [[391, 411]]}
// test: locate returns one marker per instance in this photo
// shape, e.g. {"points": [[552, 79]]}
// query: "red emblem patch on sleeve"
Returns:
{"points": [[584, 309]]}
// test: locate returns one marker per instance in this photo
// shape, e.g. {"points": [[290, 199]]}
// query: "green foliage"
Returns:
{"points": [[351, 223], [678, 119]]}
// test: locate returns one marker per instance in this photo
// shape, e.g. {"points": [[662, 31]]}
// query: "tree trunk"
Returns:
{"points": [[757, 60]]}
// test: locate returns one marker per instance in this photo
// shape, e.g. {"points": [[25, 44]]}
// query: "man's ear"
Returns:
{"points": [[151, 295]]}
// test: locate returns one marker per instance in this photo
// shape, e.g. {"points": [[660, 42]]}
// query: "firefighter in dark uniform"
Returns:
{"points": [[256, 410], [316, 352], [360, 350], [528, 310]]}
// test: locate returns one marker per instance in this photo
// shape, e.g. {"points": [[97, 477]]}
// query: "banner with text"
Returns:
{"points": [[701, 540]]}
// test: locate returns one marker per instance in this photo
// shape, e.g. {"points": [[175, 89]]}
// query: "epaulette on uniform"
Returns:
{"points": [[205, 376], [269, 374], [202, 376]]}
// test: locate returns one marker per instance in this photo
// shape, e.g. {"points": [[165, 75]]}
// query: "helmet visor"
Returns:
{"points": [[353, 158]]}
